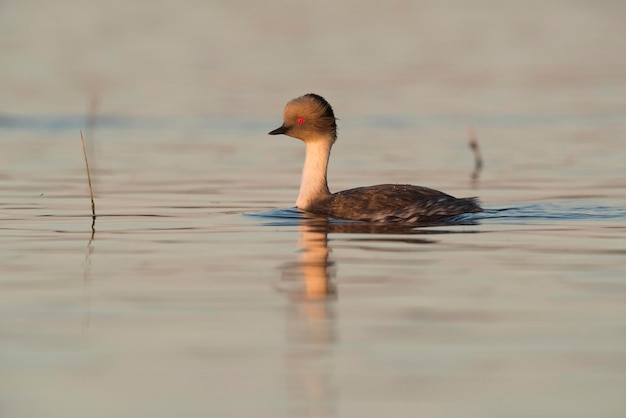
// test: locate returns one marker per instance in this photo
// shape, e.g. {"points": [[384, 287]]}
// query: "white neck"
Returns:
{"points": [[313, 185]]}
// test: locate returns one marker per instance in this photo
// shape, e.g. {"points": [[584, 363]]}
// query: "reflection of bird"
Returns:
{"points": [[311, 119]]}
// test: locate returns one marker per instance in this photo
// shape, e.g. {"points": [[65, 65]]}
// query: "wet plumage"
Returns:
{"points": [[311, 119]]}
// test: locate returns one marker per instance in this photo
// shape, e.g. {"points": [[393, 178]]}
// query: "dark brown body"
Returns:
{"points": [[393, 203]]}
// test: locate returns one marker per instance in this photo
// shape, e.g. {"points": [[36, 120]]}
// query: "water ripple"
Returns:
{"points": [[526, 213]]}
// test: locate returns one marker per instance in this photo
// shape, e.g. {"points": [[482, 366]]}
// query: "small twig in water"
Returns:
{"points": [[478, 158], [93, 205]]}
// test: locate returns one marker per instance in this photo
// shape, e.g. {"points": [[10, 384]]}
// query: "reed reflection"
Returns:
{"points": [[87, 273]]}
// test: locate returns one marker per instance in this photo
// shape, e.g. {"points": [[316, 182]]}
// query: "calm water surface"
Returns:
{"points": [[195, 292], [200, 291]]}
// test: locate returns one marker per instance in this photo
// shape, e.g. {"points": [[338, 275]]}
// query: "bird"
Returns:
{"points": [[311, 119]]}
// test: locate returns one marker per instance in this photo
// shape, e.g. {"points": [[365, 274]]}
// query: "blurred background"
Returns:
{"points": [[245, 59]]}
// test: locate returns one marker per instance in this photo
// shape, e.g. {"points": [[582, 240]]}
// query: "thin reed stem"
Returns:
{"points": [[93, 205]]}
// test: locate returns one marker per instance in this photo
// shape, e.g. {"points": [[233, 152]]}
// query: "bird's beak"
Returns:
{"points": [[282, 129]]}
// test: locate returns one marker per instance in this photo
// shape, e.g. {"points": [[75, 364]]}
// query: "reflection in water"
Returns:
{"points": [[87, 272], [311, 325], [308, 278], [311, 320]]}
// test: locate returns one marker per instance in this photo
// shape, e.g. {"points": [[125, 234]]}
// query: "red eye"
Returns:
{"points": [[300, 121]]}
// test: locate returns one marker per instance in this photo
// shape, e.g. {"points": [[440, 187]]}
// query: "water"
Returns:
{"points": [[200, 291]]}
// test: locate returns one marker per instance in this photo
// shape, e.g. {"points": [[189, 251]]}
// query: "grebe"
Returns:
{"points": [[311, 119]]}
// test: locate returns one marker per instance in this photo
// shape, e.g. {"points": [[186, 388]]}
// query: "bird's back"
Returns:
{"points": [[393, 203]]}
